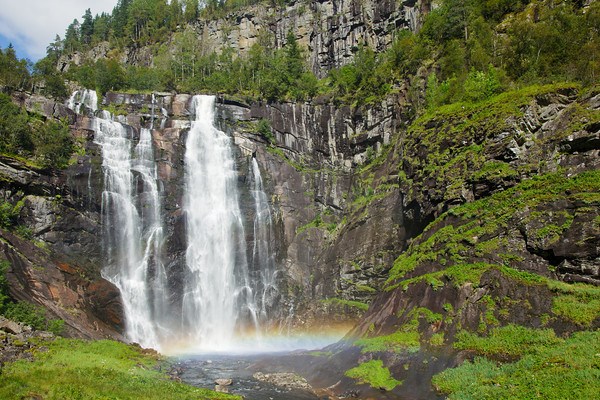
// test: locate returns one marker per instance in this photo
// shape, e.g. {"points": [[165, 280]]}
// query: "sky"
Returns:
{"points": [[31, 25]]}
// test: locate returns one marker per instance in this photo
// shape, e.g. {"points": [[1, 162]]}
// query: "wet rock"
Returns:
{"points": [[286, 380], [223, 381], [221, 389]]}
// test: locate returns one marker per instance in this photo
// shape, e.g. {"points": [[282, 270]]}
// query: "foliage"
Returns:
{"points": [[4, 295], [569, 369], [75, 369], [470, 50], [15, 132], [364, 80], [8, 214], [375, 374], [483, 219], [48, 142], [14, 73], [396, 342]]}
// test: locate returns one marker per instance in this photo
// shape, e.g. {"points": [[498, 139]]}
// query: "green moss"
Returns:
{"points": [[437, 339], [397, 342], [346, 303], [374, 374], [579, 309], [75, 369], [476, 226], [494, 170]]}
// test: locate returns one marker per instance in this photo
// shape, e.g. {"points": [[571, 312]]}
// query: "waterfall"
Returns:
{"points": [[132, 235], [131, 220], [218, 299], [88, 99], [262, 262], [228, 281]]}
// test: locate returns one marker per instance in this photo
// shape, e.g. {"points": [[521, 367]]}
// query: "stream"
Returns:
{"points": [[203, 370]]}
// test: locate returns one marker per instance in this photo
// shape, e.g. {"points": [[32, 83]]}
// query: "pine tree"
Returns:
{"points": [[87, 27]]}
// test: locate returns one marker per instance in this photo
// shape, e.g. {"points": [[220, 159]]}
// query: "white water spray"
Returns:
{"points": [[133, 232]]}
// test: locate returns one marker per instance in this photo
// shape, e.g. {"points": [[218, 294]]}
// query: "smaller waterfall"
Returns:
{"points": [[262, 264], [86, 99], [128, 257], [131, 218]]}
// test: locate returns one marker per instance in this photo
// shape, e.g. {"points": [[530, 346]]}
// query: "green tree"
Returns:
{"points": [[120, 18], [53, 143], [192, 11], [109, 75], [14, 72], [15, 132], [71, 42], [102, 27], [87, 27]]}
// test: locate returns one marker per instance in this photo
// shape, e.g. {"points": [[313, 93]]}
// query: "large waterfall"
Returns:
{"points": [[218, 297], [227, 285]]}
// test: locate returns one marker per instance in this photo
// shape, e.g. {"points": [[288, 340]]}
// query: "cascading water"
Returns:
{"points": [[229, 281], [262, 263], [132, 238], [83, 98], [133, 232], [218, 297]]}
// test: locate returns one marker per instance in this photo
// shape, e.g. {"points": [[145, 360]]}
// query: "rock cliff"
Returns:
{"points": [[53, 248], [330, 31]]}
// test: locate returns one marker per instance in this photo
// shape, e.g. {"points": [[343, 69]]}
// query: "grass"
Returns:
{"points": [[405, 339], [75, 369], [567, 369], [507, 341], [374, 374]]}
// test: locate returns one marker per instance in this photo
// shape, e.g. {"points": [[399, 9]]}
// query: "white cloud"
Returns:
{"points": [[32, 24]]}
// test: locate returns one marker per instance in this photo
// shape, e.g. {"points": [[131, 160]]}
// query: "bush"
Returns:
{"points": [[481, 85], [53, 143]]}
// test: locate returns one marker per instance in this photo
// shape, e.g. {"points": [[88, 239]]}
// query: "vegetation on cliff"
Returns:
{"points": [[494, 172], [470, 50], [547, 367], [26, 313], [43, 143]]}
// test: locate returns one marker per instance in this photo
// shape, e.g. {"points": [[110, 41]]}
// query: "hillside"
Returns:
{"points": [[430, 169]]}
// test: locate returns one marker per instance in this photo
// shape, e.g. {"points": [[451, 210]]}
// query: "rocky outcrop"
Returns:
{"points": [[331, 31], [500, 218]]}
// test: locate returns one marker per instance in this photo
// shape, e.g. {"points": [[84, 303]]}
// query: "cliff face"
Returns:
{"points": [[350, 188], [54, 249], [331, 31]]}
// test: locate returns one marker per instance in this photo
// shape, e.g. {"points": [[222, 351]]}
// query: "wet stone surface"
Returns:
{"points": [[203, 371]]}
